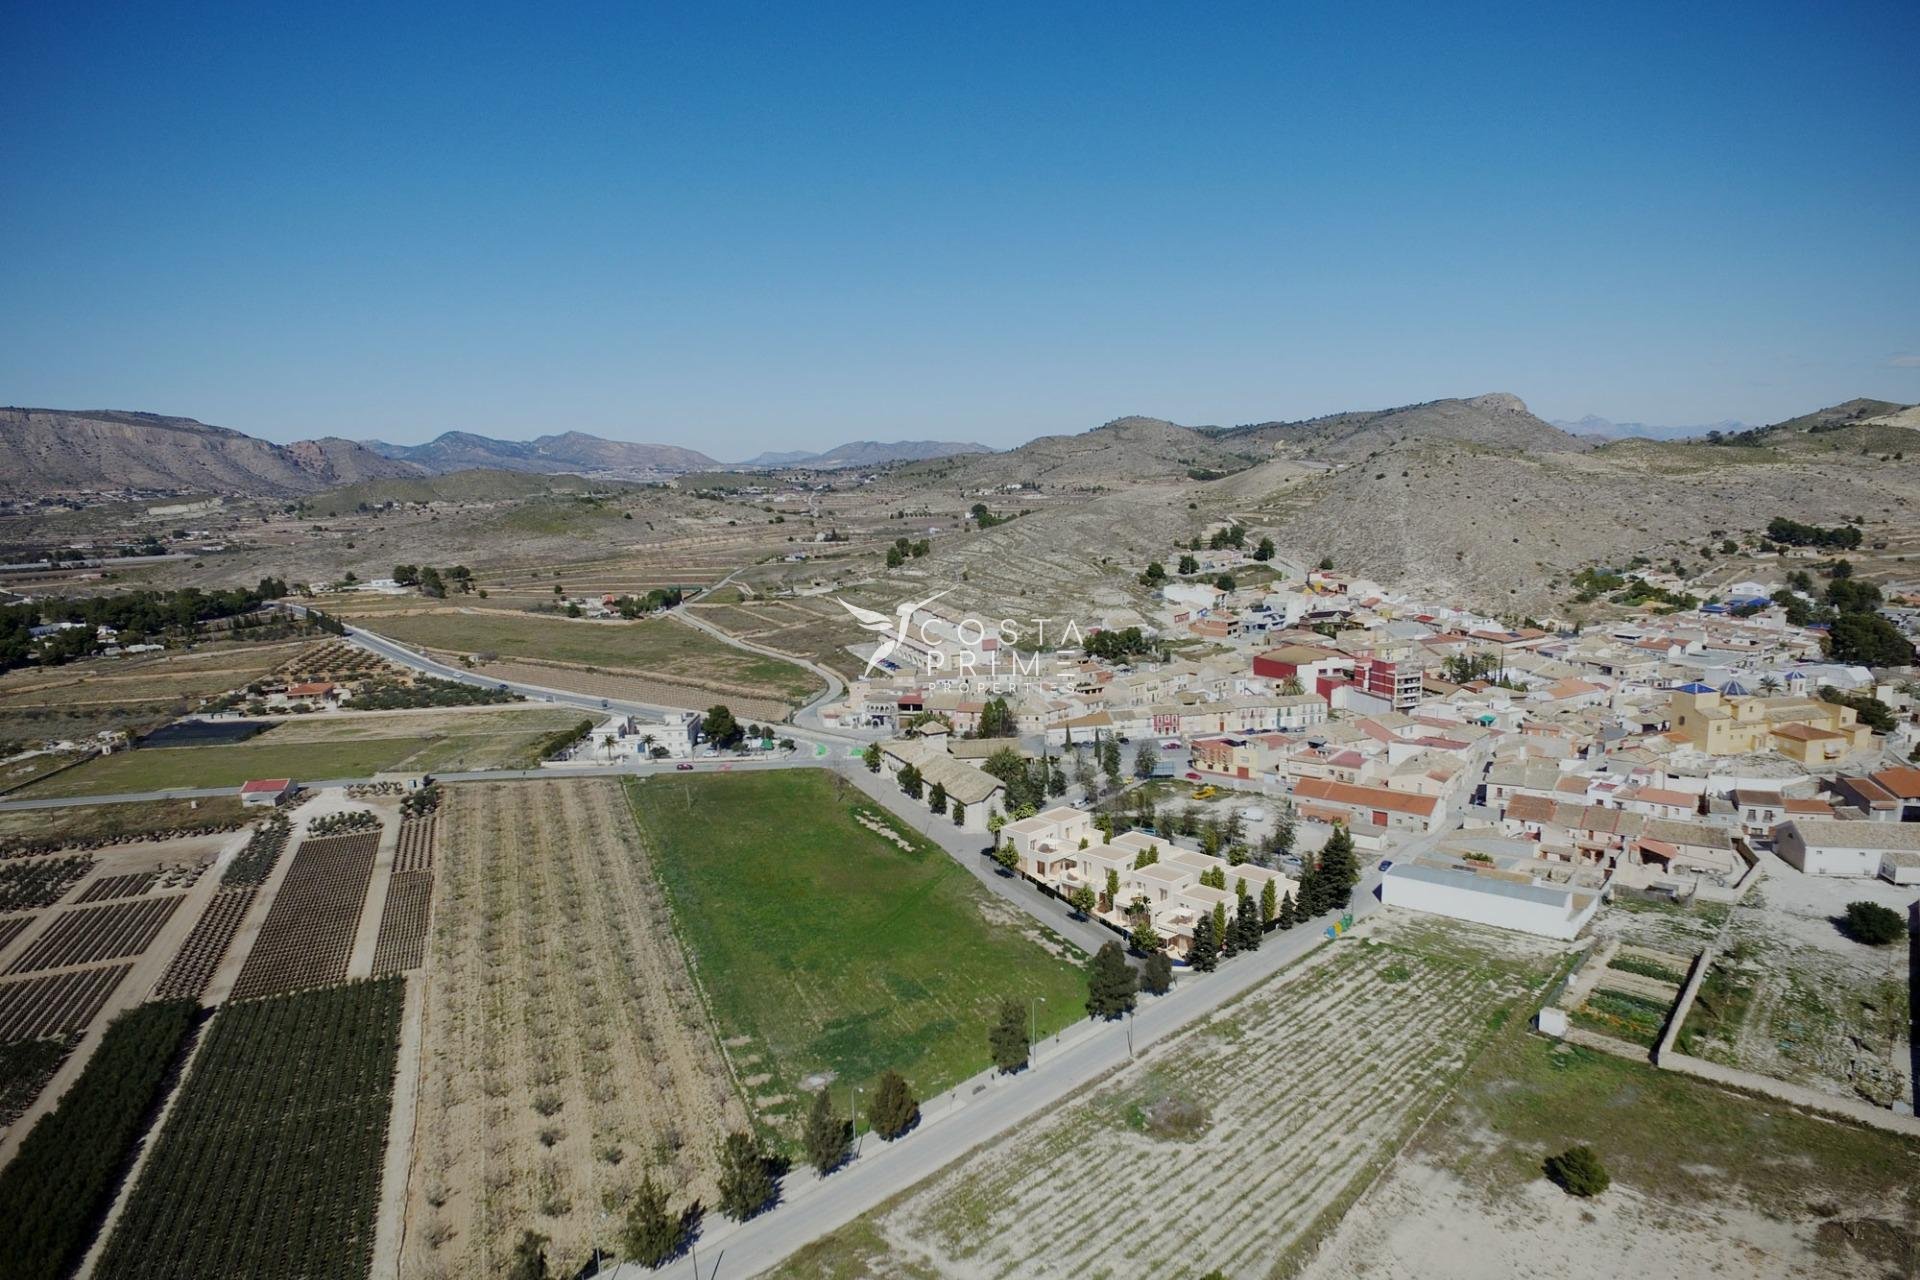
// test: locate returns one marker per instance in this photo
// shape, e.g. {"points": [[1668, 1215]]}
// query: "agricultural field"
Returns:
{"points": [[131, 693], [84, 935], [31, 883], [325, 747], [1790, 996], [637, 687], [656, 646], [34, 1007], [566, 1052], [25, 1068], [83, 825], [1707, 1183], [1235, 1145], [200, 954], [307, 937], [62, 1176], [269, 1163], [827, 949]]}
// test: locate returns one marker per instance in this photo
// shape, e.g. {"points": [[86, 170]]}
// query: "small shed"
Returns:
{"points": [[265, 791]]}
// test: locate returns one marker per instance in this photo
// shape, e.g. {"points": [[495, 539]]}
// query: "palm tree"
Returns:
{"points": [[646, 744], [1770, 684], [606, 744]]}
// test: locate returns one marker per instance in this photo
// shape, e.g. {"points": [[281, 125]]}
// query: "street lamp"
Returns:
{"points": [[853, 1110], [1033, 1025]]}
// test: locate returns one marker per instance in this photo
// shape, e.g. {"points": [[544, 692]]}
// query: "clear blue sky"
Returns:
{"points": [[757, 227]]}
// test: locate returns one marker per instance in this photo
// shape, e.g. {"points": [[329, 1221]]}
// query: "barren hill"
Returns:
{"points": [[866, 453], [1498, 420], [89, 451], [1127, 450]]}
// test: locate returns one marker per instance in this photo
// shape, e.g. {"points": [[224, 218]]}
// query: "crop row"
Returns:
{"points": [[107, 888], [25, 886], [86, 934], [416, 846], [345, 822], [12, 927], [307, 938], [60, 1002], [402, 944], [25, 1068], [270, 1162], [255, 863], [63, 1175], [200, 955]]}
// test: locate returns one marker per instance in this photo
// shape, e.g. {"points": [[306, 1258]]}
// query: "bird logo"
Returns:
{"points": [[894, 628]]}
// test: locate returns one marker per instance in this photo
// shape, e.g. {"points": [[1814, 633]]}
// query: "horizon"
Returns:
{"points": [[756, 234]]}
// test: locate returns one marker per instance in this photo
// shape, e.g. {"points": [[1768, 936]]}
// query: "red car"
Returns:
{"points": [[1193, 777], [684, 767]]}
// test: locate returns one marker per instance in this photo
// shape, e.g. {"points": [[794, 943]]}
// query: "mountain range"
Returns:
{"points": [[864, 453], [571, 451], [1602, 428]]}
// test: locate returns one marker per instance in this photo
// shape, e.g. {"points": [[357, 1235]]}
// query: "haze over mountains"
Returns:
{"points": [[1602, 428]]}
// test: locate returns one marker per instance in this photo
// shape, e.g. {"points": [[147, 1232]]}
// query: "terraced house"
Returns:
{"points": [[1808, 730], [1062, 850]]}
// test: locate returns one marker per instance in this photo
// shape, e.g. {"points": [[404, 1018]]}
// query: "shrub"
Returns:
{"points": [[1578, 1172], [1873, 924]]}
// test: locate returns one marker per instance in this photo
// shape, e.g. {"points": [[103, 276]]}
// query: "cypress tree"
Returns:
{"points": [[894, 1110], [745, 1185], [1287, 911], [827, 1137], [1157, 978], [1111, 983], [1205, 956], [1269, 903], [653, 1234], [1007, 1038]]}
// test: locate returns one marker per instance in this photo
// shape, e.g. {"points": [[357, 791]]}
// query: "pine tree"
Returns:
{"points": [[652, 1236], [1007, 1038], [1221, 931], [529, 1257], [1304, 908], [894, 1110], [1157, 978], [1287, 911], [745, 1185], [1205, 956], [1111, 983], [827, 1137]]}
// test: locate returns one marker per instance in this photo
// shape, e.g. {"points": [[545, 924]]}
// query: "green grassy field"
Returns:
{"points": [[825, 947], [651, 645]]}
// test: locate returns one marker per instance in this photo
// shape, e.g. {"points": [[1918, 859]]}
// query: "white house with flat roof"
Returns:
{"points": [[1838, 847], [1484, 893]]}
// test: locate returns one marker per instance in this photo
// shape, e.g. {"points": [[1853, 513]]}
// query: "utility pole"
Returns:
{"points": [[1033, 1026]]}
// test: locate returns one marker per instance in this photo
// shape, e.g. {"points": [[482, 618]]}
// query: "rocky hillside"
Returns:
{"points": [[58, 451], [572, 451], [1497, 420], [1130, 450]]}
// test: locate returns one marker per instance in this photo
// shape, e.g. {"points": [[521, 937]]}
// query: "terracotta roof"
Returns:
{"points": [[1365, 797], [258, 785], [1903, 782]]}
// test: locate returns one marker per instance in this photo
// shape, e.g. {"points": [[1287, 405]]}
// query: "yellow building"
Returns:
{"points": [[1804, 729]]}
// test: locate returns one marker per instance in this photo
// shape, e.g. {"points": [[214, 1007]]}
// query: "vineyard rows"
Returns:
{"points": [[416, 846], [62, 1002], [12, 927], [270, 1162], [200, 955], [86, 934], [107, 888], [307, 938], [256, 861], [334, 660], [402, 944], [1224, 1147], [26, 886]]}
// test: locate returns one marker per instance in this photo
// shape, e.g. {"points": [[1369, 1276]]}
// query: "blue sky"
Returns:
{"points": [[751, 227]]}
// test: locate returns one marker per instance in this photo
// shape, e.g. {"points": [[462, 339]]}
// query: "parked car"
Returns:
{"points": [[1192, 776], [1386, 863], [1171, 744], [684, 767]]}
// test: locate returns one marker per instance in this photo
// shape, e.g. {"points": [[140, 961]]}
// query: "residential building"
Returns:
{"points": [[1890, 850]]}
